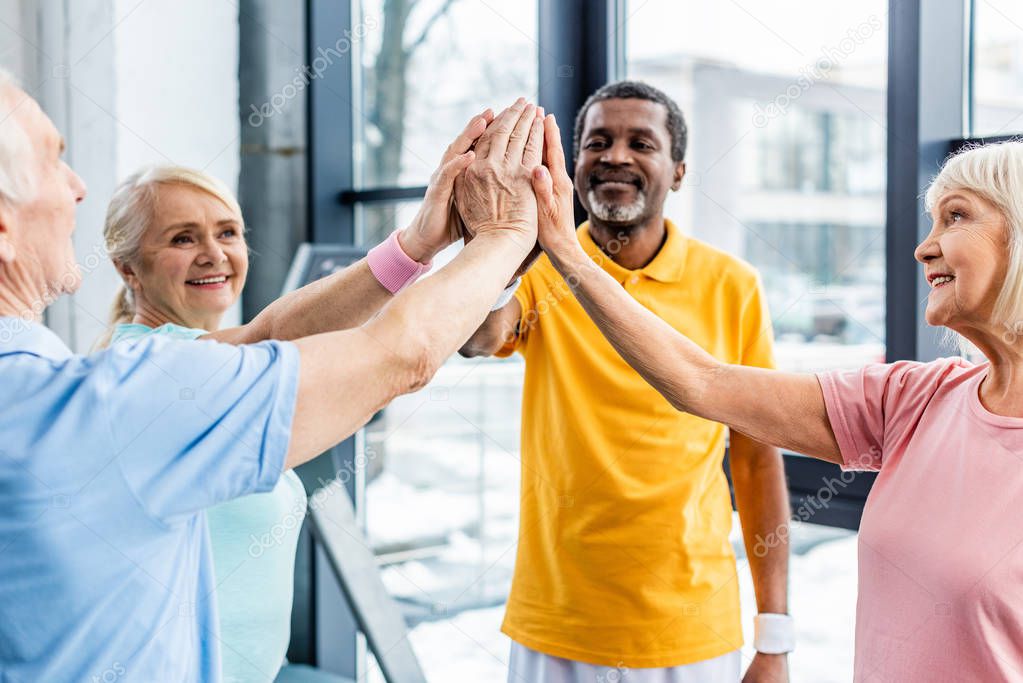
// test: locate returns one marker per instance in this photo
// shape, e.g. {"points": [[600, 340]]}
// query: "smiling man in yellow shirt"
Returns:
{"points": [[624, 562]]}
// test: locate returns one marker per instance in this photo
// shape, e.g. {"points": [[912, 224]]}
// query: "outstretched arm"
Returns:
{"points": [[347, 376], [777, 408], [500, 327], [349, 298]]}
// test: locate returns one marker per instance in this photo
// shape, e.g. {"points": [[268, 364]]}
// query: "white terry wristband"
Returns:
{"points": [[774, 634], [506, 295]]}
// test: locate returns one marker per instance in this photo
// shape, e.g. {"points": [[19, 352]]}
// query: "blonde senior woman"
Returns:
{"points": [[177, 238], [109, 461], [940, 553]]}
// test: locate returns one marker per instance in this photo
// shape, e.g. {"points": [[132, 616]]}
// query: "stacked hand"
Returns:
{"points": [[484, 184], [554, 194], [495, 191], [437, 224]]}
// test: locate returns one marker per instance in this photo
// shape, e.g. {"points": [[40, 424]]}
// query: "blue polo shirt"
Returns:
{"points": [[107, 463]]}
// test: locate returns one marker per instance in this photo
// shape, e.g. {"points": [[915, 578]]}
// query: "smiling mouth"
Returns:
{"points": [[616, 185], [613, 182], [940, 280], [208, 282]]}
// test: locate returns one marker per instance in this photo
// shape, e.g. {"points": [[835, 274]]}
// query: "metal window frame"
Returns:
{"points": [[582, 46], [325, 631]]}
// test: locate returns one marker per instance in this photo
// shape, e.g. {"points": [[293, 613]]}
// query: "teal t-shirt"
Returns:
{"points": [[254, 539]]}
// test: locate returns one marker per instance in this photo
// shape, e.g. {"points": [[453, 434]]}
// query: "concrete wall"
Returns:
{"points": [[272, 184], [128, 84]]}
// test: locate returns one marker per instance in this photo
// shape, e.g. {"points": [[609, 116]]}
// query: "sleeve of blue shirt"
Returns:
{"points": [[198, 423]]}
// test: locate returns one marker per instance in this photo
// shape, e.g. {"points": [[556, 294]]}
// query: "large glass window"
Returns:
{"points": [[443, 492], [786, 158], [997, 68], [427, 67], [785, 103]]}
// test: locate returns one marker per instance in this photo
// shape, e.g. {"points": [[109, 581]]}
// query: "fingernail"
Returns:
{"points": [[540, 111]]}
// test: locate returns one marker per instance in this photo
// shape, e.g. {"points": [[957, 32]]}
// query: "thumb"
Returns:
{"points": [[543, 187], [449, 171]]}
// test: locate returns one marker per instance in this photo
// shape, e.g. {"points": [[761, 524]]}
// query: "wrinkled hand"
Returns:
{"points": [[527, 262], [437, 224], [495, 193], [767, 669], [554, 194]]}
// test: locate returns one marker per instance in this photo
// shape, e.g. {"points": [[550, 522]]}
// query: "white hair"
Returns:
{"points": [[607, 211], [15, 148], [995, 172]]}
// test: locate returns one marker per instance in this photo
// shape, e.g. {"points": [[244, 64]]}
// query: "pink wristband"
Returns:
{"points": [[392, 266]]}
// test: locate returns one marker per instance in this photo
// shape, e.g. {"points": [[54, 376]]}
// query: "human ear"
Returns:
{"points": [[680, 172], [7, 250], [127, 273]]}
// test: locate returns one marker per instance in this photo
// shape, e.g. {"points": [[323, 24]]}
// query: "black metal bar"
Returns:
{"points": [[381, 195], [354, 568], [926, 71], [334, 634], [581, 48], [330, 126]]}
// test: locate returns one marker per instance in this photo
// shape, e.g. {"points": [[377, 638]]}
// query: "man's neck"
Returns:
{"points": [[632, 246], [17, 305]]}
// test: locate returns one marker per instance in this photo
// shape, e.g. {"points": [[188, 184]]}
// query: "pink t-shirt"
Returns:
{"points": [[941, 540]]}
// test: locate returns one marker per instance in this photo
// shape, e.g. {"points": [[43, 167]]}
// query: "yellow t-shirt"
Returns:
{"points": [[623, 556]]}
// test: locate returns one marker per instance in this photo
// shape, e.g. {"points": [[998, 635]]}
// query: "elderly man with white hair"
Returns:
{"points": [[940, 543], [108, 461]]}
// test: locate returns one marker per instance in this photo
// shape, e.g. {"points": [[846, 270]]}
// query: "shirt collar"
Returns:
{"points": [[667, 266], [16, 336]]}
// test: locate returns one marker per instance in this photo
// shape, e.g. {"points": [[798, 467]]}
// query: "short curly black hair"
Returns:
{"points": [[626, 90]]}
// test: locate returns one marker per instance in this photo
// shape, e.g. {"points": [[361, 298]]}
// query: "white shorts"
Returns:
{"points": [[530, 666]]}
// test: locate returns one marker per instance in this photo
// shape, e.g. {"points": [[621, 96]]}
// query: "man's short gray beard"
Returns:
{"points": [[616, 213]]}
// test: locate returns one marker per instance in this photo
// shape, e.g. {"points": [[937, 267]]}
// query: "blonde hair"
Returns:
{"points": [[130, 215], [15, 148], [995, 172]]}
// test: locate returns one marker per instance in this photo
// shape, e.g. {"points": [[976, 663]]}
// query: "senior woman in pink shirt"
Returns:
{"points": [[941, 540]]}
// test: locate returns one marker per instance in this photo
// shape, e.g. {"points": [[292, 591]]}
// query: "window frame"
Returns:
{"points": [[582, 46]]}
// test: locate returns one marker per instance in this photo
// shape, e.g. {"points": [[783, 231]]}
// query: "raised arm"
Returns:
{"points": [[347, 376], [499, 327], [777, 408], [349, 298]]}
